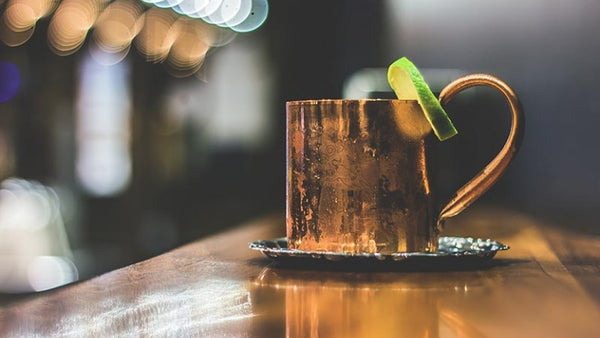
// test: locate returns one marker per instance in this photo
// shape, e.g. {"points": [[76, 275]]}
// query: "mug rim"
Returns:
{"points": [[340, 101]]}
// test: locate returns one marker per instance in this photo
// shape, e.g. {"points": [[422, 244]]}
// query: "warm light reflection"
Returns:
{"points": [[156, 38], [21, 15], [118, 25], [163, 30], [188, 51], [70, 24], [107, 58], [346, 304], [12, 38]]}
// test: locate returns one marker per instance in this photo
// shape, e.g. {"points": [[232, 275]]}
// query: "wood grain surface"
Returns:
{"points": [[546, 285]]}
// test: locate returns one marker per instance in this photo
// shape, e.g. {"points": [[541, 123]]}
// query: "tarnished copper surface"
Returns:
{"points": [[357, 179]]}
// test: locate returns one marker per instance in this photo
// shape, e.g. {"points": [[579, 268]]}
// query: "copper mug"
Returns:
{"points": [[357, 173]]}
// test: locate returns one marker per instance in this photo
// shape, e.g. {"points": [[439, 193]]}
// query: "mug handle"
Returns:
{"points": [[479, 184]]}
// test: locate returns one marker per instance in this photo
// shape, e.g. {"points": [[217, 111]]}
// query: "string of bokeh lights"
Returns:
{"points": [[176, 32]]}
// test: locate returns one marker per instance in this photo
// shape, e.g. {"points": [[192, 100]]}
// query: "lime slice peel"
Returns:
{"points": [[408, 84]]}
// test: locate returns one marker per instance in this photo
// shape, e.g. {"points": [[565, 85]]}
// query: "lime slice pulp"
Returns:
{"points": [[408, 84]]}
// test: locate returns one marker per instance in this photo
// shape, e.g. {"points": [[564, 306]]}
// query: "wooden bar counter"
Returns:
{"points": [[546, 285]]}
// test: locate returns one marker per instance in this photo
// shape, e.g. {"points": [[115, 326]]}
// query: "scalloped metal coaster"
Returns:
{"points": [[452, 253]]}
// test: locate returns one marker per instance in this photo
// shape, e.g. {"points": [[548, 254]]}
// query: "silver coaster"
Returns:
{"points": [[452, 253]]}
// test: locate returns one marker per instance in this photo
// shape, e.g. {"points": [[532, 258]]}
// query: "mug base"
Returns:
{"points": [[452, 253]]}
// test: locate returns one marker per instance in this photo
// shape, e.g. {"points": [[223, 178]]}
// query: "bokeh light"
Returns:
{"points": [[70, 24], [156, 38], [12, 38], [103, 161], [10, 80], [214, 36], [167, 3], [103, 57], [188, 51], [35, 253], [162, 30], [21, 15], [209, 9], [118, 25], [245, 7], [48, 272], [239, 15], [190, 7], [224, 12], [258, 15]]}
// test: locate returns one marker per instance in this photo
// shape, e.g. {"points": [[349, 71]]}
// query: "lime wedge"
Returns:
{"points": [[408, 84]]}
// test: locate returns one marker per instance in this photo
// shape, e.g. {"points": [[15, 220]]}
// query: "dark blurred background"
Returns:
{"points": [[172, 158]]}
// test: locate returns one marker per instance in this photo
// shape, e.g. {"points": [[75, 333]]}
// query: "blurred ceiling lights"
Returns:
{"points": [[179, 32]]}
